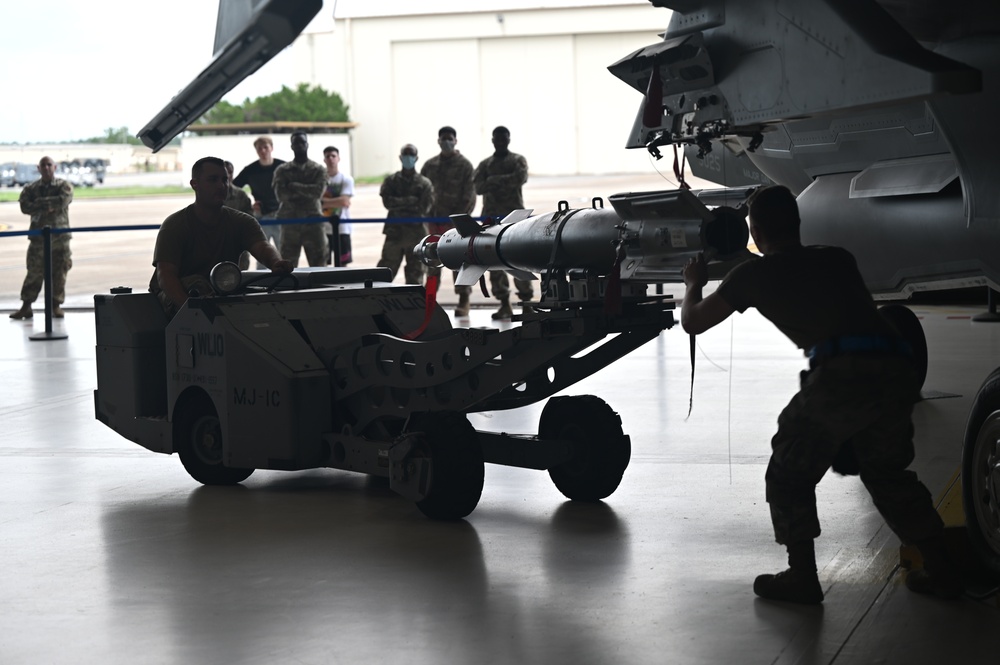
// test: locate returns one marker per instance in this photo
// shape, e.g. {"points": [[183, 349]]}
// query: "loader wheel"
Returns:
{"points": [[981, 473], [602, 450], [908, 326], [198, 442], [457, 466]]}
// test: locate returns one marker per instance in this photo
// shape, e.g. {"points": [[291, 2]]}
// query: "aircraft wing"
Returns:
{"points": [[259, 30], [735, 68]]}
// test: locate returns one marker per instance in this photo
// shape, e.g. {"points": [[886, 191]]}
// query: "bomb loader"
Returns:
{"points": [[339, 368]]}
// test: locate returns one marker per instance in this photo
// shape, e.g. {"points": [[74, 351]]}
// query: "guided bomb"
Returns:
{"points": [[646, 236]]}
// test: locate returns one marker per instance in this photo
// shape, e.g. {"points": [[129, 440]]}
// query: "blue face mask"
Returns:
{"points": [[409, 161]]}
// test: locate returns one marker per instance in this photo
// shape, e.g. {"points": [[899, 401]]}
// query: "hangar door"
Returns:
{"points": [[567, 114]]}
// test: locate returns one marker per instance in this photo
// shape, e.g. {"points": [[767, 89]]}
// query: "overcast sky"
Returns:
{"points": [[73, 68]]}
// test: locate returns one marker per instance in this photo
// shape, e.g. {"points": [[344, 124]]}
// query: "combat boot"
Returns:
{"points": [[792, 586], [505, 312], [23, 313], [57, 312], [939, 577], [462, 309]]}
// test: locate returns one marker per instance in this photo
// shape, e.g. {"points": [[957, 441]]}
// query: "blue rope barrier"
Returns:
{"points": [[264, 222]]}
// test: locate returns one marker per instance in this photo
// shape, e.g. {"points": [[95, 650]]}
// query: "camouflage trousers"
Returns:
{"points": [[400, 240], [864, 401], [436, 272], [271, 233], [500, 285], [62, 261], [310, 237]]}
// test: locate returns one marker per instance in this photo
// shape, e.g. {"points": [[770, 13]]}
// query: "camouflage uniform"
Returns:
{"points": [[499, 180], [405, 193], [857, 398], [240, 200], [454, 193], [299, 188], [48, 205], [864, 401]]}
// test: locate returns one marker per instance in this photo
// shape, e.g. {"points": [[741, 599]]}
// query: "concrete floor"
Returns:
{"points": [[112, 554]]}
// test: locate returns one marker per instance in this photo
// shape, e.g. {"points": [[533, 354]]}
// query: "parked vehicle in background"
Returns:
{"points": [[25, 173], [7, 174], [77, 173], [99, 168]]}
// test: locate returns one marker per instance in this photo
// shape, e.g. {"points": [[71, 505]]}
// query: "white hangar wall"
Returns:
{"points": [[540, 72], [239, 149]]}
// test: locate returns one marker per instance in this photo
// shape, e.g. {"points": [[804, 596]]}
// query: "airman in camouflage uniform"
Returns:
{"points": [[299, 185], [499, 178], [853, 411], [238, 200], [454, 193], [47, 202], [405, 193]]}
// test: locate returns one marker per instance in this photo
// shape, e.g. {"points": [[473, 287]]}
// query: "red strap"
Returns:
{"points": [[430, 300]]}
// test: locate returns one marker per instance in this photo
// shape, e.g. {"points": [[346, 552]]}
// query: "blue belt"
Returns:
{"points": [[846, 344]]}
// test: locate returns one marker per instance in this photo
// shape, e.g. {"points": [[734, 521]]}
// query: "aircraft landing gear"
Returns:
{"points": [[908, 325], [981, 473]]}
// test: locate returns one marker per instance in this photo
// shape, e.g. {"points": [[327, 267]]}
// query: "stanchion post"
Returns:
{"points": [[335, 247], [47, 272]]}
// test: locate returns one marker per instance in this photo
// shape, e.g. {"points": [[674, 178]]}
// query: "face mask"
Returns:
{"points": [[447, 145], [409, 161]]}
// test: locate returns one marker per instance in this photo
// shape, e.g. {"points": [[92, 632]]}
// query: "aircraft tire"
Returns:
{"points": [[457, 467], [198, 442], [981, 474], [602, 450], [908, 325]]}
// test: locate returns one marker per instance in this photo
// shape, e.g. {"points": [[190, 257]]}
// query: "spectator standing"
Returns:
{"points": [[337, 202], [299, 184], [405, 194], [47, 201], [260, 176], [454, 193], [499, 179], [238, 200]]}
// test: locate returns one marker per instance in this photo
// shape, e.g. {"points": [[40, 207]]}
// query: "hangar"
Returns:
{"points": [[123, 559]]}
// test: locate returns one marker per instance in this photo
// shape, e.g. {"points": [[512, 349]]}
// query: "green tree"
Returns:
{"points": [[117, 135], [303, 103]]}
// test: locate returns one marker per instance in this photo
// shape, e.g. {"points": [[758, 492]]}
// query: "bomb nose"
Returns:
{"points": [[426, 251]]}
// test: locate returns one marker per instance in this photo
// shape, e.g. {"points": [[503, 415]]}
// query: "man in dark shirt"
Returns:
{"points": [[259, 175], [192, 241], [856, 400]]}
